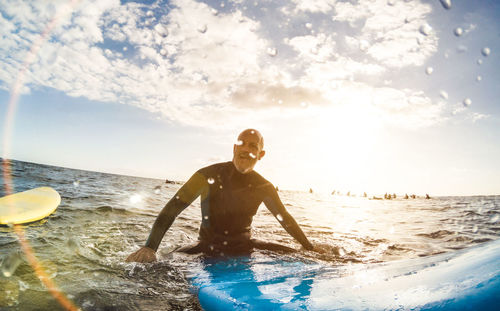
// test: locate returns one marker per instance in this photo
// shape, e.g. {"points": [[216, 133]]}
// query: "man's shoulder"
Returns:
{"points": [[260, 180], [214, 167]]}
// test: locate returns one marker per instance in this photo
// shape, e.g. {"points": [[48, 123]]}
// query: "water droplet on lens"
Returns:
{"points": [[272, 52], [177, 197], [485, 51], [149, 13], [205, 217], [226, 232], [220, 187], [425, 29], [443, 94], [10, 264], [309, 25], [479, 78], [202, 28], [163, 52], [214, 12], [222, 4], [161, 30], [391, 2], [225, 242], [125, 49], [221, 253], [429, 70], [446, 4], [458, 31], [210, 180], [479, 61], [279, 217], [467, 102], [157, 191], [73, 245], [280, 102]]}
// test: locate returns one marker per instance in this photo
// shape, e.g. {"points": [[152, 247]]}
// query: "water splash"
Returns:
{"points": [[446, 4], [10, 264], [458, 31]]}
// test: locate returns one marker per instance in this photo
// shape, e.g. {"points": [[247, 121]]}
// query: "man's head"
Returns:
{"points": [[248, 150]]}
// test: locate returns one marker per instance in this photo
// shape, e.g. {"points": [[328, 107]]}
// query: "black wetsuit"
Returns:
{"points": [[229, 200]]}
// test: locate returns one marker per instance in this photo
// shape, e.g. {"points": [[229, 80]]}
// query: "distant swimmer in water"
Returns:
{"points": [[231, 193], [406, 196], [310, 190], [427, 196]]}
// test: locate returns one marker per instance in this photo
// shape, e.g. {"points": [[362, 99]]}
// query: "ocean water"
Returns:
{"points": [[104, 217]]}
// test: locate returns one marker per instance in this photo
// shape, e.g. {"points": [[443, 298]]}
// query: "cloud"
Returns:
{"points": [[323, 6], [197, 66]]}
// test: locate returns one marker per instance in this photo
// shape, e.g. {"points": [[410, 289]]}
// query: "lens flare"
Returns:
{"points": [[6, 165]]}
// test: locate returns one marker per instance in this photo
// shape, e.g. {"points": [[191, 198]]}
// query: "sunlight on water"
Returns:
{"points": [[136, 198]]}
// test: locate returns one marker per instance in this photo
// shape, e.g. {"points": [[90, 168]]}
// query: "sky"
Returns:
{"points": [[368, 96]]}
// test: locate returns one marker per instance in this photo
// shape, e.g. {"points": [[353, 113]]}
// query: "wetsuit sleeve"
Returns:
{"points": [[276, 207], [182, 199]]}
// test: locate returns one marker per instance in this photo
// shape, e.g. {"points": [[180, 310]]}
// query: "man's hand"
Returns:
{"points": [[144, 254]]}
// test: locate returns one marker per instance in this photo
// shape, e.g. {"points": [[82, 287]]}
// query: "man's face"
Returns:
{"points": [[247, 151]]}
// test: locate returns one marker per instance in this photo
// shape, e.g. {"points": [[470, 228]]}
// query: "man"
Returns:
{"points": [[231, 193]]}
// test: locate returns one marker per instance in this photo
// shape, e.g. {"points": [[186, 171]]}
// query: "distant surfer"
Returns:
{"points": [[231, 193]]}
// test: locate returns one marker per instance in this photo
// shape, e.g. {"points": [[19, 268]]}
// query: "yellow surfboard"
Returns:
{"points": [[28, 206]]}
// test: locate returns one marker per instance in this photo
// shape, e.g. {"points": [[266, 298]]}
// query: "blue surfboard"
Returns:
{"points": [[468, 279]]}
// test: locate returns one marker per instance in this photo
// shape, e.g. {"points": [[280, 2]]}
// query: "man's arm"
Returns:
{"points": [[276, 207], [182, 199]]}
